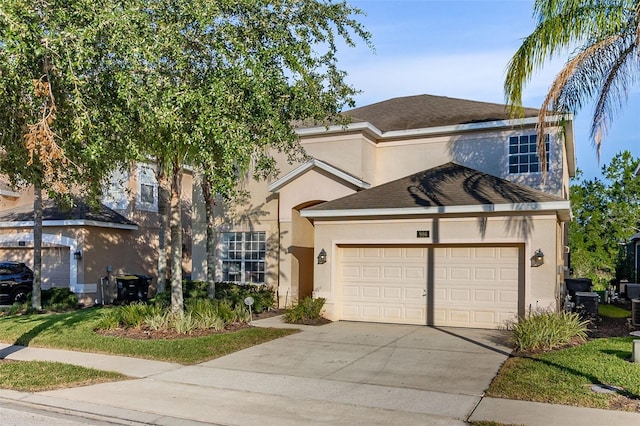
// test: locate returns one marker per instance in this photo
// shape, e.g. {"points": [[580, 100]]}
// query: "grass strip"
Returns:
{"points": [[38, 376], [565, 376], [75, 331], [612, 311]]}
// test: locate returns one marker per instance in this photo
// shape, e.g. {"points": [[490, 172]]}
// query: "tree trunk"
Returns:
{"points": [[36, 296], [210, 202], [177, 301], [164, 194]]}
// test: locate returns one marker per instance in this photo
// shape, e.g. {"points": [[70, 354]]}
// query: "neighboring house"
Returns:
{"points": [[423, 210], [81, 245]]}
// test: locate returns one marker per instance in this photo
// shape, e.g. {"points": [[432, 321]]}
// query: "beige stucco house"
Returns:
{"points": [[423, 210], [82, 245]]}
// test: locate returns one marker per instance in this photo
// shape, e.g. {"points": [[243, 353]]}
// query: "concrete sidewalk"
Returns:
{"points": [[251, 388]]}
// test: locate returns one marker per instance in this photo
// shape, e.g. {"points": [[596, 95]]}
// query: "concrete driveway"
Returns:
{"points": [[342, 373], [452, 360], [366, 373]]}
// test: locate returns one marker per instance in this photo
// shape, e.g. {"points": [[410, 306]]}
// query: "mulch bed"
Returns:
{"points": [[612, 327]]}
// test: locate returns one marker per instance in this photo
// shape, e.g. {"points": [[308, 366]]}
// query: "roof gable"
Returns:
{"points": [[442, 189], [315, 163], [80, 214], [424, 111]]}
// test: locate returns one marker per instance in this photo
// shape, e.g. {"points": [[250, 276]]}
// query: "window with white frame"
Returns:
{"points": [[523, 154], [147, 196], [115, 195], [243, 257]]}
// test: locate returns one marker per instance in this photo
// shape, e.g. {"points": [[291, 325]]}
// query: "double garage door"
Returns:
{"points": [[460, 286]]}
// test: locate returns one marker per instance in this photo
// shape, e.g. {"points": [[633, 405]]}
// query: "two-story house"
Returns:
{"points": [[81, 245], [423, 210]]}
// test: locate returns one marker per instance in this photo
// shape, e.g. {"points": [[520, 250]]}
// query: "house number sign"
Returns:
{"points": [[422, 234]]}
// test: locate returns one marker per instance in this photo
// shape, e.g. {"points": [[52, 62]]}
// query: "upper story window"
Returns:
{"points": [[115, 194], [523, 154], [243, 257], [147, 196]]}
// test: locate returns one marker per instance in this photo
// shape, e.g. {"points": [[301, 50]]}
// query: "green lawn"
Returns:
{"points": [[613, 311], [565, 376], [74, 331], [38, 376]]}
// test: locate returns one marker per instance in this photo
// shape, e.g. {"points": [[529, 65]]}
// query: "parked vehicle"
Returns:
{"points": [[16, 282]]}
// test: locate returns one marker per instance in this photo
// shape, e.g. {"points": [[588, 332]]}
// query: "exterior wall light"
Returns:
{"points": [[322, 257], [77, 255], [537, 259]]}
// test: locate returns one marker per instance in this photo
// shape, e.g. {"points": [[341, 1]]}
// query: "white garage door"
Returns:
{"points": [[383, 284], [475, 286], [471, 286], [55, 263]]}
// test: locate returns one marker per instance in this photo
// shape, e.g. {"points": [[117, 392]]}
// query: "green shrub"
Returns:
{"points": [[194, 289], [225, 311], [162, 299], [184, 324], [109, 319], [306, 310], [547, 330], [242, 314], [232, 293], [161, 321], [128, 316], [58, 299]]}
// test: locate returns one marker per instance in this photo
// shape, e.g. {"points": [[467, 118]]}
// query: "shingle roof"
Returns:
{"points": [[423, 111], [51, 211], [447, 185]]}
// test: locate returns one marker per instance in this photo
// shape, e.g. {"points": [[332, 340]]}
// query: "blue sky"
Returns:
{"points": [[460, 48]]}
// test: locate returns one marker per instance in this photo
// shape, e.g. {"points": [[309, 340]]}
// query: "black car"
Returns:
{"points": [[16, 282]]}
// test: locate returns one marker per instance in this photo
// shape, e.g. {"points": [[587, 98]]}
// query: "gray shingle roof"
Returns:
{"points": [[423, 111], [50, 211], [447, 185]]}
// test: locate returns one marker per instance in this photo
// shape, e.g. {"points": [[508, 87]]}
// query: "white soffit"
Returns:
{"points": [[562, 208], [276, 185], [457, 128]]}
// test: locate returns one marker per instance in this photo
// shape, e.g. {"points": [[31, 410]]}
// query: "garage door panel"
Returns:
{"points": [[392, 272], [391, 313], [415, 314], [350, 291], [486, 296], [414, 273], [460, 274], [392, 293], [485, 274], [460, 295], [414, 293], [371, 292], [370, 272]]}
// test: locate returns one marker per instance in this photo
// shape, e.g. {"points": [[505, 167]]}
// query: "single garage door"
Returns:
{"points": [[55, 263], [460, 286]]}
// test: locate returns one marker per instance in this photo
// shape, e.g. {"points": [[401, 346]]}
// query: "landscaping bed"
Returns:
{"points": [[594, 373]]}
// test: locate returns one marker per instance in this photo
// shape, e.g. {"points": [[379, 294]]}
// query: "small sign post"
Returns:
{"points": [[249, 302]]}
